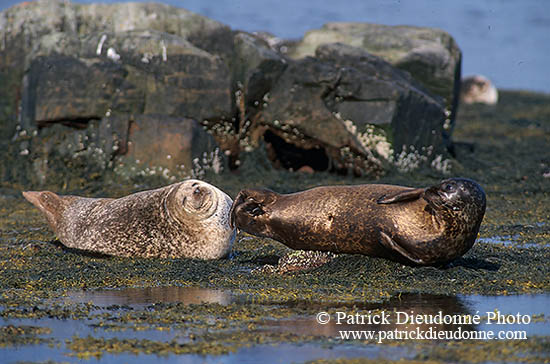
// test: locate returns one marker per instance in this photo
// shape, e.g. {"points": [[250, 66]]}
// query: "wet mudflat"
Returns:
{"points": [[65, 306]]}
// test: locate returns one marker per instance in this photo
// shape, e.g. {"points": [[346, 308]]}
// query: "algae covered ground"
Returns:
{"points": [[63, 305]]}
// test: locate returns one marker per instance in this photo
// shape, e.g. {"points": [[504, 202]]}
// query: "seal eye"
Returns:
{"points": [[197, 191], [449, 187]]}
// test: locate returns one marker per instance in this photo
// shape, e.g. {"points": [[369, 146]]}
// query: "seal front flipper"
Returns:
{"points": [[391, 244], [248, 205], [407, 195]]}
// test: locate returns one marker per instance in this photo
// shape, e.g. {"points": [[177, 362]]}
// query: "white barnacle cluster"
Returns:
{"points": [[265, 98], [164, 172], [372, 139], [441, 165], [220, 128], [447, 123], [239, 95], [376, 140], [290, 132], [212, 161], [245, 144], [408, 160]]}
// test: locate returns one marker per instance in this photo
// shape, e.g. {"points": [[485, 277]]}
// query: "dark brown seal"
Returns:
{"points": [[427, 226], [187, 219]]}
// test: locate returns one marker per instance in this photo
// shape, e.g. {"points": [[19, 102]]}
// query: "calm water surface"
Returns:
{"points": [[144, 298]]}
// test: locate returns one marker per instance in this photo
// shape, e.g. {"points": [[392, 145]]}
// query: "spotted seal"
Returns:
{"points": [[187, 219], [425, 226]]}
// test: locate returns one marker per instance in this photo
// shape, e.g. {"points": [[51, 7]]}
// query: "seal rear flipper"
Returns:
{"points": [[50, 204], [407, 195], [392, 245]]}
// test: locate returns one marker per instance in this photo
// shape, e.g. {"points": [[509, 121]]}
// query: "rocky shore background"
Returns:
{"points": [[136, 90]]}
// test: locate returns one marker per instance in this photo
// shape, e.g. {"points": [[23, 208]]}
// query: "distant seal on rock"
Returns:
{"points": [[478, 89], [188, 219], [425, 226]]}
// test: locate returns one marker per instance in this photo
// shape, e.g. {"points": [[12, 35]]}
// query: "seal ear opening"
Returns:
{"points": [[401, 196]]}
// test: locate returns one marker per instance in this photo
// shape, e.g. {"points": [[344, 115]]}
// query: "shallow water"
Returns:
{"points": [[424, 304], [145, 298], [140, 297], [266, 354], [508, 240]]}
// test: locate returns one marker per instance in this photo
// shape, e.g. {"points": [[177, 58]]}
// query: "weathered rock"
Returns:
{"points": [[89, 66], [430, 55], [347, 109], [95, 88], [54, 26], [170, 146], [256, 67], [60, 154], [33, 19], [135, 72], [66, 89], [124, 146], [144, 145]]}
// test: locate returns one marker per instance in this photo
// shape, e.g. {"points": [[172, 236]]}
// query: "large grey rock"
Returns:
{"points": [[68, 89], [45, 27], [357, 108], [89, 66], [123, 147], [137, 71], [430, 55], [97, 88], [256, 67], [170, 146]]}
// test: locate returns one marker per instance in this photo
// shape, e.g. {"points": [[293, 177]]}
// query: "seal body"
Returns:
{"points": [[187, 219], [426, 226]]}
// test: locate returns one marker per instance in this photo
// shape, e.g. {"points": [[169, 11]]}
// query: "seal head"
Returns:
{"points": [[456, 206]]}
